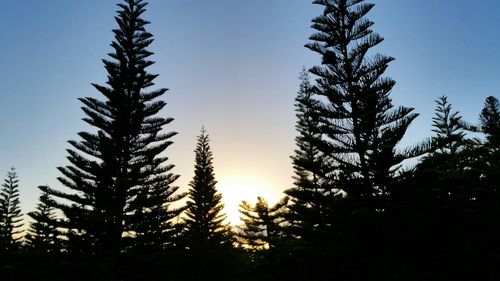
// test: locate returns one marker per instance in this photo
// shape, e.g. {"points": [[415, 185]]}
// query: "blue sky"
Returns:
{"points": [[230, 65]]}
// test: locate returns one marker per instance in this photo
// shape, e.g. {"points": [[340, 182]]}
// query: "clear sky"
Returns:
{"points": [[230, 65]]}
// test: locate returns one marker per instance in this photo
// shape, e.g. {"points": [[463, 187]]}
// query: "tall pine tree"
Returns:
{"points": [[118, 176], [360, 124], [205, 220], [10, 213], [359, 131]]}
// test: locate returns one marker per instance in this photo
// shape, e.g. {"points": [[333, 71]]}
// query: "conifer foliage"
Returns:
{"points": [[448, 126], [10, 213], [205, 219], [490, 120], [263, 225], [118, 176], [312, 193], [361, 126], [43, 235]]}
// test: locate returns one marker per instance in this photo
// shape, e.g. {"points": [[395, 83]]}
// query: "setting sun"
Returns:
{"points": [[236, 189]]}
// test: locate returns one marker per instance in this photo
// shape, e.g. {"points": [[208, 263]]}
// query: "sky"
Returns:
{"points": [[232, 67]]}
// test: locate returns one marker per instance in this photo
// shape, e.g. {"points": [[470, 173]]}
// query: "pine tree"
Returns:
{"points": [[43, 235], [360, 124], [312, 194], [263, 225], [449, 127], [490, 120], [204, 217], [10, 213], [118, 175]]}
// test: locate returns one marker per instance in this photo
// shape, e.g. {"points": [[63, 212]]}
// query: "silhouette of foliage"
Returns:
{"points": [[313, 192], [449, 127], [10, 213], [263, 225], [42, 234], [357, 130], [360, 124], [204, 217], [118, 175], [490, 120], [208, 238]]}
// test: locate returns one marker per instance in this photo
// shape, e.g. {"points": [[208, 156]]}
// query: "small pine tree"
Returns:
{"points": [[204, 217], [43, 235], [490, 120], [263, 225], [10, 213], [449, 127]]}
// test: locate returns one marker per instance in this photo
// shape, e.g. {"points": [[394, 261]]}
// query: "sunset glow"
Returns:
{"points": [[236, 189]]}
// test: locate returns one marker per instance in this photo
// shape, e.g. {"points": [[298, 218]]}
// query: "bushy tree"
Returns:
{"points": [[263, 225], [119, 176], [10, 213], [42, 234], [204, 217]]}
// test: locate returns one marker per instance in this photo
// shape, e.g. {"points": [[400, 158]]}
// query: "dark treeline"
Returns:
{"points": [[361, 208]]}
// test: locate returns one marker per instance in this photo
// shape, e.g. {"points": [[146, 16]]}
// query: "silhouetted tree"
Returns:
{"points": [[359, 130], [449, 127], [263, 225], [42, 234], [10, 213], [118, 175], [312, 194], [490, 120], [204, 216], [207, 237], [361, 127]]}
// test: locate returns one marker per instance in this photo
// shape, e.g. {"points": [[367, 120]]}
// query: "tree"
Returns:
{"points": [[359, 130], [118, 176], [10, 213], [313, 193], [490, 120], [43, 235], [361, 126], [207, 237], [449, 127], [263, 225], [204, 216]]}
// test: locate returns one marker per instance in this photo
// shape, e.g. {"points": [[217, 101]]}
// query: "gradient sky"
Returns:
{"points": [[230, 65]]}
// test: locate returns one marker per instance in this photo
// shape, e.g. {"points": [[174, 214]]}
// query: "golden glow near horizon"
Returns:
{"points": [[238, 188]]}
